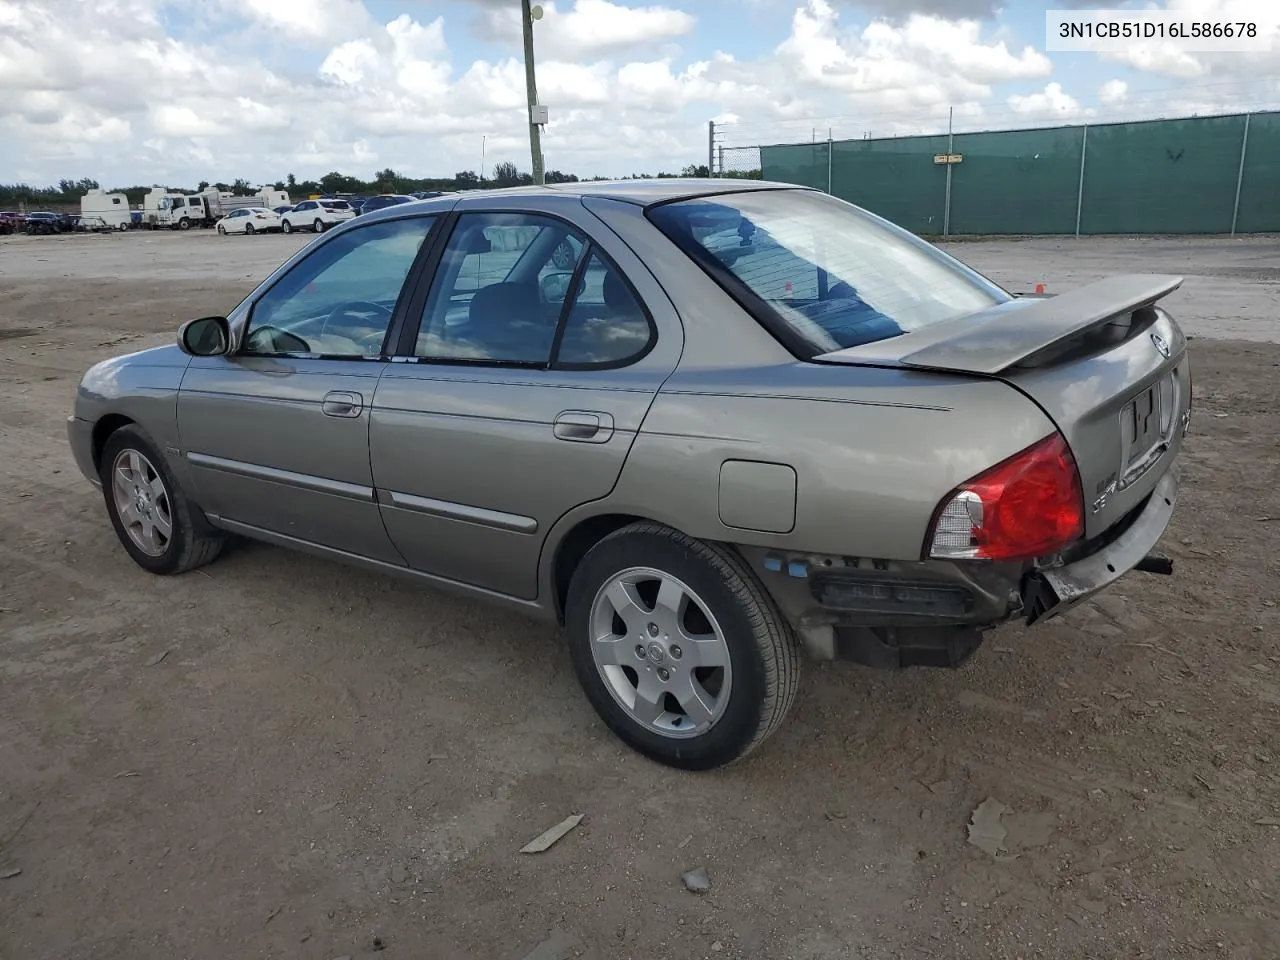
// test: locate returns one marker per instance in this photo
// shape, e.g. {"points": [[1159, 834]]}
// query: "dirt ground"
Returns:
{"points": [[281, 757]]}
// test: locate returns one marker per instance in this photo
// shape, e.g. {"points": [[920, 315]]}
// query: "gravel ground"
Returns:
{"points": [[282, 757]]}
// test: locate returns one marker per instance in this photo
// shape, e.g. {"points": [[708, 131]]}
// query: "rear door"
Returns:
{"points": [[519, 394]]}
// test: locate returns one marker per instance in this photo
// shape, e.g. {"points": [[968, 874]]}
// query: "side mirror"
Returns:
{"points": [[205, 337]]}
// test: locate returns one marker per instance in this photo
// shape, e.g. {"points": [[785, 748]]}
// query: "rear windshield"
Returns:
{"points": [[335, 204], [828, 274]]}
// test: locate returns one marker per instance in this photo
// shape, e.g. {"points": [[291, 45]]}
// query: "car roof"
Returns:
{"points": [[640, 192], [644, 192]]}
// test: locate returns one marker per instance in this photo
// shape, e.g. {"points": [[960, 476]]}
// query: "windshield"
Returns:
{"points": [[831, 274]]}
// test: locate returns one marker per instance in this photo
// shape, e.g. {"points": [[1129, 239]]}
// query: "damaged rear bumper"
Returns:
{"points": [[1047, 593]]}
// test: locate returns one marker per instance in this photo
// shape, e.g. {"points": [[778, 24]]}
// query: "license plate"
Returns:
{"points": [[1141, 423]]}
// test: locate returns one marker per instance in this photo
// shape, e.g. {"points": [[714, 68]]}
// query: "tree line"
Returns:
{"points": [[504, 174]]}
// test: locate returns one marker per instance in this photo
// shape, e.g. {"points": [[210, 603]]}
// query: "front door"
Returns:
{"points": [[277, 435], [524, 392]]}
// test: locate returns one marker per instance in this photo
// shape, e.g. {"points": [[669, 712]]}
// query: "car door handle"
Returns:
{"points": [[342, 403], [585, 426]]}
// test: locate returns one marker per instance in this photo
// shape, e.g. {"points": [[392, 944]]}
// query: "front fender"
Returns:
{"points": [[141, 387]]}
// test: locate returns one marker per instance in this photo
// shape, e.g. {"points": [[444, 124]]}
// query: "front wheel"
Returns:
{"points": [[154, 520], [222, 231], [184, 224], [248, 229], [679, 648], [286, 226], [318, 226]]}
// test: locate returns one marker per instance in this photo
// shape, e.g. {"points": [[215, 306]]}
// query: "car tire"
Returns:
{"points": [[222, 231], [738, 623], [184, 224], [131, 466], [286, 226], [563, 257], [318, 226], [248, 229]]}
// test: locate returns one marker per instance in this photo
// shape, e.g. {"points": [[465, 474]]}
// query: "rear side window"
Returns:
{"points": [[821, 273]]}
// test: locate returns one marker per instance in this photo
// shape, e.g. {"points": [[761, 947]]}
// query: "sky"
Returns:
{"points": [[177, 91]]}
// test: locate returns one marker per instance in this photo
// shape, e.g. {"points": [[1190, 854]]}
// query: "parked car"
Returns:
{"points": [[316, 215], [11, 221], [843, 442], [382, 201], [249, 220], [45, 222]]}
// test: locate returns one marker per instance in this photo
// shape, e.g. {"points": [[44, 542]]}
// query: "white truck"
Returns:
{"points": [[162, 207], [100, 210]]}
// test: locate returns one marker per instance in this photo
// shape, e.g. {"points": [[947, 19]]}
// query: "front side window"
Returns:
{"points": [[829, 274], [338, 301]]}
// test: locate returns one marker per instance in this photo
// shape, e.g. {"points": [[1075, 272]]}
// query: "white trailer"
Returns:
{"points": [[100, 210], [219, 204]]}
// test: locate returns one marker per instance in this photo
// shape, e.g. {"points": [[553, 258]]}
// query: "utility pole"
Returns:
{"points": [[711, 148], [535, 130]]}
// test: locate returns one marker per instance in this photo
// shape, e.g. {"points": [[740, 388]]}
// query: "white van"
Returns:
{"points": [[112, 209]]}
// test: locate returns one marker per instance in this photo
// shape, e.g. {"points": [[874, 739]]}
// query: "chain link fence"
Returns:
{"points": [[1195, 175]]}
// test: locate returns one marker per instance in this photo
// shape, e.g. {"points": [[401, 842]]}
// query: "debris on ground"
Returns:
{"points": [[696, 880], [986, 832], [156, 659], [545, 840], [558, 946], [7, 873]]}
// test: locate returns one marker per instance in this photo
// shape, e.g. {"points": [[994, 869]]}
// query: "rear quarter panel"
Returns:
{"points": [[874, 452], [874, 449]]}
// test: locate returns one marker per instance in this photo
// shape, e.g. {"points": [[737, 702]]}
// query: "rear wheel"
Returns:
{"points": [[318, 226], [679, 648], [155, 522]]}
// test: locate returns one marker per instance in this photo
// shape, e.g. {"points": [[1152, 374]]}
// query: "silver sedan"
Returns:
{"points": [[707, 426]]}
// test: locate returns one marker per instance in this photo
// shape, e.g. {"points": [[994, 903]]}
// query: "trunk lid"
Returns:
{"points": [[1106, 364]]}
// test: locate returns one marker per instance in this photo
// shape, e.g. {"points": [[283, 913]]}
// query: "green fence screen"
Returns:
{"points": [[1203, 175]]}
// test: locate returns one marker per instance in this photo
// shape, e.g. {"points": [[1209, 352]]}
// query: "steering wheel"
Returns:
{"points": [[353, 308], [274, 340]]}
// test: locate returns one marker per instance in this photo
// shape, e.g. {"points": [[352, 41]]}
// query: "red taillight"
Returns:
{"points": [[1028, 506]]}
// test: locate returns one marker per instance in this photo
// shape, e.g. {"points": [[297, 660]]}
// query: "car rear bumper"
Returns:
{"points": [[1047, 593], [80, 436]]}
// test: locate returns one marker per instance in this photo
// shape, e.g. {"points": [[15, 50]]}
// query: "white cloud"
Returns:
{"points": [[1113, 91], [591, 27], [1168, 59], [1051, 101], [312, 22], [99, 88]]}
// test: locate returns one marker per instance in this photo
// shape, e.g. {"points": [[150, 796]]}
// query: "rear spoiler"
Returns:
{"points": [[1009, 333]]}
